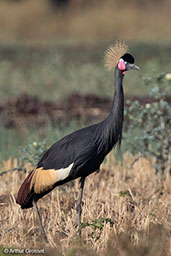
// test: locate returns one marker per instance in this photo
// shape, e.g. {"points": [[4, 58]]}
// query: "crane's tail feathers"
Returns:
{"points": [[38, 182], [24, 191], [114, 52]]}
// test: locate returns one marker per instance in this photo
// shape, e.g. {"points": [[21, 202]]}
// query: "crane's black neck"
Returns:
{"points": [[112, 125], [118, 100]]}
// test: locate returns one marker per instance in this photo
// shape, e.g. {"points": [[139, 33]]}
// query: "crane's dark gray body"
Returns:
{"points": [[87, 147]]}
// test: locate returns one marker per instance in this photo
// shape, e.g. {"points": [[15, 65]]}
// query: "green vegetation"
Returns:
{"points": [[97, 226], [53, 72], [33, 152], [148, 131]]}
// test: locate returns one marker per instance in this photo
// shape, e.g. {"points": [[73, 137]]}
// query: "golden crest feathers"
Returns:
{"points": [[114, 52]]}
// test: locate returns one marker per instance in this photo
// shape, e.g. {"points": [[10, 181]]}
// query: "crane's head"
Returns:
{"points": [[116, 55], [126, 62]]}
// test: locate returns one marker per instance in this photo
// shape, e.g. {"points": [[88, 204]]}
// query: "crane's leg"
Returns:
{"points": [[40, 221], [79, 208]]}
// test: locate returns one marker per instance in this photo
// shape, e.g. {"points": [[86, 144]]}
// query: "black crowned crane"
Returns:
{"points": [[80, 153]]}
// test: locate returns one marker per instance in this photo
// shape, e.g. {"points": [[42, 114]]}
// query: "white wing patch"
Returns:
{"points": [[43, 180], [64, 172]]}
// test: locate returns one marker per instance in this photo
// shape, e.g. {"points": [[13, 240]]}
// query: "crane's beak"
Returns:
{"points": [[132, 66]]}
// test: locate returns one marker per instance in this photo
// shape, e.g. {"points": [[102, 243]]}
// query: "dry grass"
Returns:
{"points": [[132, 196], [35, 21]]}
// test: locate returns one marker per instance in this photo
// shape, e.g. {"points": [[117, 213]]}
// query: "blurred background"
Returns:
{"points": [[52, 75]]}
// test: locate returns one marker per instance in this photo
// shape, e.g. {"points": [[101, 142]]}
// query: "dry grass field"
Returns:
{"points": [[84, 21], [126, 211]]}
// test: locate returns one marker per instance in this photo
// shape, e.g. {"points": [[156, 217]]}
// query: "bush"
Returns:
{"points": [[149, 128], [33, 152]]}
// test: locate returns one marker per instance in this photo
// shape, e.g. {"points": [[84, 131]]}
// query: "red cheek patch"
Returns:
{"points": [[121, 65]]}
